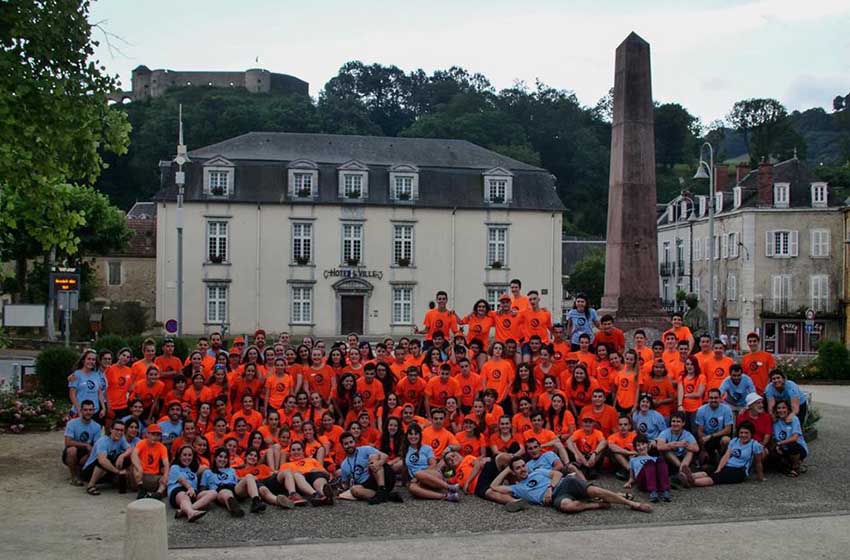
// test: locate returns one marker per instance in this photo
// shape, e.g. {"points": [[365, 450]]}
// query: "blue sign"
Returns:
{"points": [[171, 326]]}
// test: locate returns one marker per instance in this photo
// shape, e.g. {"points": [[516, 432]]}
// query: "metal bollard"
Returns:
{"points": [[146, 536]]}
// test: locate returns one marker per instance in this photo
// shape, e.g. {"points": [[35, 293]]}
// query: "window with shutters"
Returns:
{"points": [[216, 241], [352, 244], [781, 196], [781, 243], [494, 292], [718, 202], [781, 286], [819, 288], [113, 273], [732, 287], [698, 288], [733, 245], [819, 195], [302, 242], [820, 243], [402, 305], [403, 244], [216, 303], [497, 246], [697, 249], [736, 197], [302, 305]]}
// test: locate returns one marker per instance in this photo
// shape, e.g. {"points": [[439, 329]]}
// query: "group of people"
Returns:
{"points": [[502, 404]]}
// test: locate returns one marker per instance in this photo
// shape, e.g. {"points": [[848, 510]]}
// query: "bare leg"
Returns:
{"points": [[96, 475], [431, 479], [204, 499], [498, 497], [614, 498], [247, 487], [302, 485], [361, 492], [72, 462]]}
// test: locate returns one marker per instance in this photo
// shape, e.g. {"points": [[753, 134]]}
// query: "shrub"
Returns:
{"points": [[127, 318], [53, 366], [111, 342], [833, 361], [796, 369]]}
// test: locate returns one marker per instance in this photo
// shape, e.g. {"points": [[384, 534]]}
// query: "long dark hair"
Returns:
{"points": [[214, 460], [583, 296], [586, 383], [477, 303], [193, 466], [553, 415], [392, 444], [413, 428], [532, 383]]}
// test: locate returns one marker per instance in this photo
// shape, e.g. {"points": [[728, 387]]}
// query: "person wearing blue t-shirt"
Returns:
{"points": [[646, 420], [741, 454], [221, 478], [172, 428], [650, 473], [714, 423], [580, 320], [678, 447], [109, 459], [791, 447], [183, 486], [538, 460], [80, 435], [781, 389], [365, 472], [87, 383], [426, 482], [735, 388]]}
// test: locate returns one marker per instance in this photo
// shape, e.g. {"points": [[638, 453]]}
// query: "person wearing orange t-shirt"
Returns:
{"points": [[505, 440], [603, 414], [705, 351], [411, 389], [716, 369], [680, 330], [644, 352], [691, 391], [370, 388], [659, 387], [587, 446], [169, 365], [519, 302], [626, 383], [311, 478], [439, 319], [756, 363], [150, 464], [440, 388], [536, 320], [150, 391], [508, 324], [583, 355], [118, 384], [479, 322], [470, 439], [319, 376], [621, 446], [469, 384], [439, 438], [278, 386], [646, 367], [251, 416], [580, 389], [603, 373], [249, 383], [670, 356], [497, 373], [609, 335]]}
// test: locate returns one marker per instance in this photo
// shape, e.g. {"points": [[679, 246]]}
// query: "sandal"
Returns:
{"points": [[76, 482], [198, 515], [645, 508], [92, 491], [792, 474]]}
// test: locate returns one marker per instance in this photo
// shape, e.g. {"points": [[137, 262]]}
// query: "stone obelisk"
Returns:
{"points": [[631, 260]]}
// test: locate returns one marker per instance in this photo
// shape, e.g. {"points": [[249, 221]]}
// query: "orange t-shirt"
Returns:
{"points": [[627, 442], [604, 375], [140, 370], [579, 395], [151, 456], [242, 387], [468, 386], [587, 443], [437, 391], [443, 321], [544, 401], [521, 423], [118, 379], [615, 340], [543, 436], [171, 363], [498, 374], [320, 380], [644, 356], [606, 419], [410, 392], [148, 394], [715, 372], [470, 445], [372, 393], [510, 446], [438, 439], [691, 385], [463, 471], [259, 471], [537, 322], [661, 389], [682, 333], [303, 466], [479, 328], [492, 418], [755, 364], [254, 419], [508, 326], [279, 388]]}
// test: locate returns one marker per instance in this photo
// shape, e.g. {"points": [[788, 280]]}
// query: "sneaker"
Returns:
{"points": [[395, 497], [666, 496], [378, 498], [515, 506], [653, 497], [234, 508], [329, 494], [257, 505], [316, 499], [453, 497], [284, 502], [454, 488], [297, 500], [142, 494], [622, 474]]}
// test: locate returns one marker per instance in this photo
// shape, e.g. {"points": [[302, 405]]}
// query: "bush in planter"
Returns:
{"points": [[217, 191], [403, 262], [353, 262], [496, 264], [497, 199], [404, 196], [53, 366], [833, 360], [354, 194], [21, 411], [304, 193], [302, 260]]}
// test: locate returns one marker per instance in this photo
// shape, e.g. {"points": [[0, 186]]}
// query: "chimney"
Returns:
{"points": [[741, 172], [765, 183], [721, 178]]}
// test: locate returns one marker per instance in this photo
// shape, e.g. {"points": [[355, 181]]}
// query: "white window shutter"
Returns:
{"points": [[777, 286], [341, 184], [364, 187], [706, 247], [825, 240], [724, 247], [768, 244], [509, 190], [486, 189], [786, 286], [793, 243]]}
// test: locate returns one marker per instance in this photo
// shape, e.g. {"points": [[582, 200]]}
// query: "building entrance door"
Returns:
{"points": [[351, 309]]}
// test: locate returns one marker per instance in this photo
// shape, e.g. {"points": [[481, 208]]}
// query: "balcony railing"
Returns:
{"points": [[672, 268], [796, 307]]}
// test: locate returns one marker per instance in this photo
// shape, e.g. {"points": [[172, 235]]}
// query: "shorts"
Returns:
{"points": [[172, 496], [150, 482], [794, 449], [273, 484], [730, 475], [713, 446], [231, 487], [65, 455], [570, 488], [486, 477], [312, 477], [389, 480]]}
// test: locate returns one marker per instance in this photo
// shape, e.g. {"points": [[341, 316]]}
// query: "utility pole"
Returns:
{"points": [[180, 180]]}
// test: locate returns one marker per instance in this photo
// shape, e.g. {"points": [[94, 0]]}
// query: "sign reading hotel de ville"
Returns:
{"points": [[352, 273]]}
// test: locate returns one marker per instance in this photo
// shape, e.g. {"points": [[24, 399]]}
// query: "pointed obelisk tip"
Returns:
{"points": [[635, 38]]}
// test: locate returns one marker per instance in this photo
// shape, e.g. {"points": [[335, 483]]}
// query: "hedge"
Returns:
{"points": [[53, 366]]}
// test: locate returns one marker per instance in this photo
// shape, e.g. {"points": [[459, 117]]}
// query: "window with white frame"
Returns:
{"points": [[665, 252], [733, 245], [113, 273], [498, 185], [216, 241], [302, 184], [697, 249], [352, 243], [736, 197], [493, 295], [820, 243], [665, 290], [781, 290], [302, 242], [819, 288], [301, 308], [732, 287], [403, 244], [353, 185], [680, 255], [698, 288], [781, 195], [497, 246], [819, 195], [402, 305], [218, 182], [781, 243], [216, 303], [403, 187], [498, 189]]}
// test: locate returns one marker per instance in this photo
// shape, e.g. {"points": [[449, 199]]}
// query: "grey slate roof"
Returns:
{"points": [[142, 211], [450, 171]]}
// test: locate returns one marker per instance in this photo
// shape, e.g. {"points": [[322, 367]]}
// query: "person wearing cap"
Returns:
{"points": [[172, 427], [762, 423], [150, 465], [238, 346], [587, 446]]}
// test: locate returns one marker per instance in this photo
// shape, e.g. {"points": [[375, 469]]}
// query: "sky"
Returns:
{"points": [[705, 55]]}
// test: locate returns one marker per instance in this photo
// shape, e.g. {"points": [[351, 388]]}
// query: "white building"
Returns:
{"points": [[325, 234]]}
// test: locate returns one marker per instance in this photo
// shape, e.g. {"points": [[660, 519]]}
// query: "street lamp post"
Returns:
{"points": [[180, 180], [706, 171]]}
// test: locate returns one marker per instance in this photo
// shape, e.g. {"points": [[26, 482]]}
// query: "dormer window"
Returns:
{"points": [[353, 181], [404, 182], [218, 177], [819, 195], [781, 195], [683, 210], [671, 213], [718, 202], [702, 206], [736, 195], [498, 186], [303, 180]]}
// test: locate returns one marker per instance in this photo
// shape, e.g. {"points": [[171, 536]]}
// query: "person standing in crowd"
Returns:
{"points": [[581, 320]]}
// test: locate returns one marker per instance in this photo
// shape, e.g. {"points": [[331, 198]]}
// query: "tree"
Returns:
{"points": [[588, 276], [766, 129], [56, 123], [676, 134]]}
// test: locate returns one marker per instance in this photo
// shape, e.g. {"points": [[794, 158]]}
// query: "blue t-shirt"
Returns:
{"points": [[355, 468], [581, 323], [87, 386], [741, 455], [109, 446], [176, 471], [170, 431], [418, 459], [637, 463], [736, 395], [783, 430], [546, 461], [713, 420], [668, 436], [650, 424], [533, 488], [790, 391], [213, 481], [82, 432]]}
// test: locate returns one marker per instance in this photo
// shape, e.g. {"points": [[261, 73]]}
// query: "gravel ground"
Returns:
{"points": [[821, 490]]}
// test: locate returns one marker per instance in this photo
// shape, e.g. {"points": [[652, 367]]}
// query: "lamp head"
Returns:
{"points": [[701, 173]]}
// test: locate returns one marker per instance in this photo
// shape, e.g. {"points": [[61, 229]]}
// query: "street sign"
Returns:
{"points": [[810, 328], [64, 282], [68, 300], [171, 326]]}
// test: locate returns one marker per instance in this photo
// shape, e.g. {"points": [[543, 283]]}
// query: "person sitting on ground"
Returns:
{"points": [[80, 435], [587, 446], [646, 420], [790, 446], [221, 478], [735, 388], [150, 465], [714, 423], [476, 475], [621, 447], [538, 459], [736, 463], [782, 389], [310, 477], [366, 473], [678, 447], [183, 494], [650, 473], [426, 482], [109, 460], [762, 424]]}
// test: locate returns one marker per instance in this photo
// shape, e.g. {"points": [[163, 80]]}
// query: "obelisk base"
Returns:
{"points": [[633, 315]]}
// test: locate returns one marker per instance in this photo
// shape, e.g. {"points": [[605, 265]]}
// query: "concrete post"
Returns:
{"points": [[146, 537]]}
